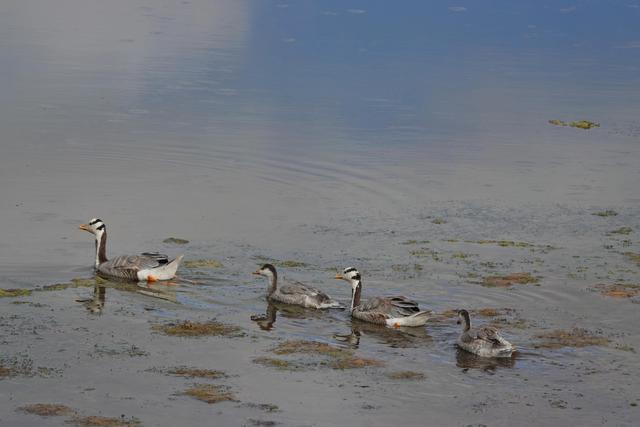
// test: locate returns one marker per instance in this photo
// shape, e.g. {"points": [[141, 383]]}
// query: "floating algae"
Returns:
{"points": [[202, 263], [618, 290], [210, 393], [605, 213], [622, 230], [99, 421], [580, 124], [335, 357], [12, 293], [273, 362], [182, 371], [406, 375], [577, 337], [47, 409], [198, 329], [77, 282], [509, 280], [175, 241], [633, 257]]}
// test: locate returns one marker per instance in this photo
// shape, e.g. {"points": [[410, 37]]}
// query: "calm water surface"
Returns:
{"points": [[330, 133]]}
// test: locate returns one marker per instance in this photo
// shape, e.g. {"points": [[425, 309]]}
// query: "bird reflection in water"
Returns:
{"points": [[466, 361], [393, 337], [289, 311], [96, 304]]}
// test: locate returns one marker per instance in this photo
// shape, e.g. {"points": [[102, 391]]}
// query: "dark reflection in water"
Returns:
{"points": [[96, 303], [266, 321], [394, 338], [466, 361]]}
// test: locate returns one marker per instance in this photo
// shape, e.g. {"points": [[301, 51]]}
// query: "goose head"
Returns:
{"points": [[350, 275], [463, 319], [267, 270], [95, 227]]}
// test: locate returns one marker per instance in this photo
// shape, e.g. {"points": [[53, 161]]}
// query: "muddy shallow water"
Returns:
{"points": [[319, 136]]}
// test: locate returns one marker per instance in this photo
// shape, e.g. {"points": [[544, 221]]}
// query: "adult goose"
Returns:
{"points": [[484, 341], [149, 266], [390, 311], [295, 293]]}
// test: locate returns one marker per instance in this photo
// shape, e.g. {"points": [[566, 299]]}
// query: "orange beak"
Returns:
{"points": [[257, 273], [85, 227], [339, 276]]}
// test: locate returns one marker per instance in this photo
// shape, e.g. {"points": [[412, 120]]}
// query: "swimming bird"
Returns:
{"points": [[484, 341], [389, 311], [295, 293], [149, 266]]}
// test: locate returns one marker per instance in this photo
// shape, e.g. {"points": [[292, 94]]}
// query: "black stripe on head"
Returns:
{"points": [[101, 227], [95, 221], [349, 270], [268, 267]]}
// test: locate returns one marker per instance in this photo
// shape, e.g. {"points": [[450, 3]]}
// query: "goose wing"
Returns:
{"points": [[485, 333], [302, 289], [127, 266]]}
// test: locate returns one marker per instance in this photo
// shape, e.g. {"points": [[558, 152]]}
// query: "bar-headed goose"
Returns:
{"points": [[484, 341], [389, 311], [149, 266], [295, 293]]}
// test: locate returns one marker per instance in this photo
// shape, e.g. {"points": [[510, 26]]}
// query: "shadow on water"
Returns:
{"points": [[287, 311]]}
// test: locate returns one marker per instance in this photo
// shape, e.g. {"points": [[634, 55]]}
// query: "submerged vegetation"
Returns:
{"points": [[47, 409], [576, 337], [210, 393], [197, 329], [622, 230], [77, 282], [406, 375], [202, 263], [633, 257], [12, 293], [618, 290], [509, 280], [580, 124], [605, 213], [331, 356], [183, 371], [175, 241], [58, 410]]}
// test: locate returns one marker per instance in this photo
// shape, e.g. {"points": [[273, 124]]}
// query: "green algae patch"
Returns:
{"points": [[210, 393], [618, 290], [183, 371], [509, 280], [78, 282], [575, 338], [47, 409], [198, 329], [13, 293], [99, 421], [202, 263], [406, 375], [633, 257], [332, 357], [605, 213], [415, 242], [426, 253], [504, 243], [175, 241], [579, 124], [438, 221], [622, 230]]}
